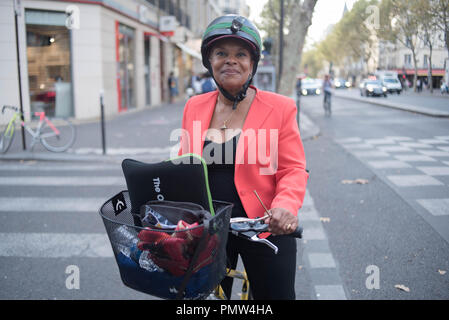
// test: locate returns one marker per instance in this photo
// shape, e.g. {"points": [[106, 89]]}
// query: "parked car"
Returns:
{"points": [[341, 83], [372, 88], [392, 84], [311, 87]]}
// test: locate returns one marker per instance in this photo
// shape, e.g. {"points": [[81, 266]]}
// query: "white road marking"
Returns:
{"points": [[330, 292], [389, 164], [55, 245], [63, 181], [435, 171], [414, 180], [54, 167], [437, 207], [44, 204]]}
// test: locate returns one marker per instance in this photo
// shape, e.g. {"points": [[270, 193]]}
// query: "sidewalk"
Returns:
{"points": [[435, 105], [138, 134]]}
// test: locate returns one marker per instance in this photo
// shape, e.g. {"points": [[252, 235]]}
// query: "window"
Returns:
{"points": [[49, 67], [126, 63], [407, 60], [426, 61]]}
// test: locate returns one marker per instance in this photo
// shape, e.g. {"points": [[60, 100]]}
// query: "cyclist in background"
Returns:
{"points": [[327, 89], [231, 52]]}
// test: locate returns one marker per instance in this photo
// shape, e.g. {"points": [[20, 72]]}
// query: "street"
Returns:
{"points": [[385, 237], [396, 220]]}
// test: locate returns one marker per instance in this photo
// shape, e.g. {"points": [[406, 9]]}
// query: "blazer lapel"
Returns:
{"points": [[203, 116]]}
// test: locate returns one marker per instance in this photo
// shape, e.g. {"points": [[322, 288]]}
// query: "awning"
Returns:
{"points": [[189, 50], [157, 35], [422, 72]]}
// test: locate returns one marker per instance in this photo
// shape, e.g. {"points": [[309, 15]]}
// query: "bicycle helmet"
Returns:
{"points": [[232, 26]]}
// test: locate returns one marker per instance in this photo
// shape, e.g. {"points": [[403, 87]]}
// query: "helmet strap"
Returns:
{"points": [[239, 97]]}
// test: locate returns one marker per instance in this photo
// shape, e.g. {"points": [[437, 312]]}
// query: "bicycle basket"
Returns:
{"points": [[185, 262]]}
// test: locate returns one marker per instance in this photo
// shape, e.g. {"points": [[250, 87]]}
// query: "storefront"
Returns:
{"points": [[49, 63], [125, 48], [408, 74], [114, 51]]}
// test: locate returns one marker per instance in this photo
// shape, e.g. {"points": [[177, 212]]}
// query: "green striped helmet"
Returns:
{"points": [[231, 25]]}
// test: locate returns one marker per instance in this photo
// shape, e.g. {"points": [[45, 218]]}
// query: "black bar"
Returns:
{"points": [[20, 80], [103, 137], [281, 44]]}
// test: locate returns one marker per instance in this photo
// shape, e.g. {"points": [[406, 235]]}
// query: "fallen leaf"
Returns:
{"points": [[402, 287], [441, 271], [356, 181], [323, 219]]}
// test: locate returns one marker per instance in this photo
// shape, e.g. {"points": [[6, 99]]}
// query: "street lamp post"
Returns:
{"points": [[281, 44]]}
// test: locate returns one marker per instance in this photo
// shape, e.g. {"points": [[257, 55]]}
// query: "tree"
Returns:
{"points": [[427, 30], [439, 9], [297, 20], [312, 62], [398, 24]]}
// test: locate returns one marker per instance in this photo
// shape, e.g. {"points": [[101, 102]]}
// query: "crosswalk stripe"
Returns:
{"points": [[44, 204], [55, 245], [30, 167], [62, 181]]}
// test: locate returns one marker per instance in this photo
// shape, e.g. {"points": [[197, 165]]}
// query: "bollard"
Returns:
{"points": [[103, 138]]}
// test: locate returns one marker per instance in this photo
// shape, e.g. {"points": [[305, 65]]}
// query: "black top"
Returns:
{"points": [[220, 159]]}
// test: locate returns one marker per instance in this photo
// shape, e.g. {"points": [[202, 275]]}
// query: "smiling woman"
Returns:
{"points": [[235, 124]]}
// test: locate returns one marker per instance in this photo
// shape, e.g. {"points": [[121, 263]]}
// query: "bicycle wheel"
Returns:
{"points": [[61, 141], [6, 138]]}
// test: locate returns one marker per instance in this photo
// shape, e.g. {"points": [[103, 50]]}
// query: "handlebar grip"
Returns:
{"points": [[10, 107], [297, 233]]}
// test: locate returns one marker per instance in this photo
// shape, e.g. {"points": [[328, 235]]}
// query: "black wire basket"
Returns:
{"points": [[185, 262]]}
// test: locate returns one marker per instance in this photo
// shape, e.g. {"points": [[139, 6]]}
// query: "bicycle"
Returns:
{"points": [[248, 229], [153, 260], [55, 138]]}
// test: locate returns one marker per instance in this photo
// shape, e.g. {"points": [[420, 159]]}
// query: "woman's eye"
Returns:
{"points": [[220, 53]]}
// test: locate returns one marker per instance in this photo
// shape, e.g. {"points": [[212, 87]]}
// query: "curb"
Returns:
{"points": [[308, 129], [399, 106]]}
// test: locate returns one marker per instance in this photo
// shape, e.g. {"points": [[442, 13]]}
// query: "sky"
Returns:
{"points": [[326, 12]]}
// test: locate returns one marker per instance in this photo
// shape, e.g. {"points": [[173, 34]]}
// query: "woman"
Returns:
{"points": [[250, 140]]}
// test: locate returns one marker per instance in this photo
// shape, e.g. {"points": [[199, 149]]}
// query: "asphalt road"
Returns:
{"points": [[360, 241], [380, 223]]}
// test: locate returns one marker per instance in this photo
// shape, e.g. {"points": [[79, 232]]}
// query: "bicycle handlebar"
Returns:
{"points": [[297, 233], [250, 230], [9, 107]]}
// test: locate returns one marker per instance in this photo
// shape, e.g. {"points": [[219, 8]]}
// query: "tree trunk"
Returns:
{"points": [[294, 43], [415, 63], [430, 78]]}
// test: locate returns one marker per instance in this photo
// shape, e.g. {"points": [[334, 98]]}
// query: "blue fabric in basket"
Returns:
{"points": [[161, 284]]}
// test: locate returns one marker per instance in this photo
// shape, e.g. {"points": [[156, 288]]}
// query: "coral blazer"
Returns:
{"points": [[270, 156]]}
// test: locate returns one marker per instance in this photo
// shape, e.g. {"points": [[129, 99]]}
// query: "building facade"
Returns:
{"points": [[397, 57], [72, 52]]}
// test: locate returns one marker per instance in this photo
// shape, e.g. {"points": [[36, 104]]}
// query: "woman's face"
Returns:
{"points": [[231, 63]]}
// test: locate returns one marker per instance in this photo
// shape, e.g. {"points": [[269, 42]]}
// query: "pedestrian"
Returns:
{"points": [[207, 83], [172, 86], [419, 85], [298, 87], [231, 51], [327, 89], [196, 84]]}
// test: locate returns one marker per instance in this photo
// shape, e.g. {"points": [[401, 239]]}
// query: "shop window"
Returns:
{"points": [[49, 63], [126, 62]]}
